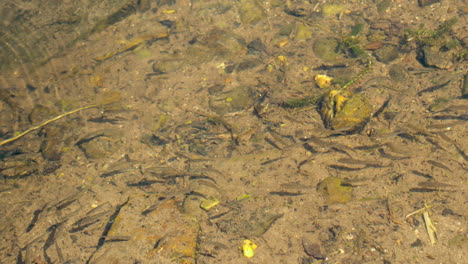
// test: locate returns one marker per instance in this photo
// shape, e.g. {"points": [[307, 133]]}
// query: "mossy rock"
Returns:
{"points": [[354, 115], [327, 49]]}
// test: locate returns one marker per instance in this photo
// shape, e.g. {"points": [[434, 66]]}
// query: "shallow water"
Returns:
{"points": [[205, 128]]}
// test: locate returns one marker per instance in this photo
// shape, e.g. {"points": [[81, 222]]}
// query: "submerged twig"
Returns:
{"points": [[108, 98], [430, 227], [45, 124]]}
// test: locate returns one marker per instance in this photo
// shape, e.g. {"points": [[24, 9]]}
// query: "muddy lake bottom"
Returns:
{"points": [[234, 132]]}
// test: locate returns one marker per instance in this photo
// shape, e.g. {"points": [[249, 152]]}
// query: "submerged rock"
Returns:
{"points": [[7, 113], [334, 191], [327, 49], [18, 166], [431, 56], [251, 11], [217, 44], [101, 144], [240, 98], [354, 115], [345, 112], [168, 65], [387, 53]]}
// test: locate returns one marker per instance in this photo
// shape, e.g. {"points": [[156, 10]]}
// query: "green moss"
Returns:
{"points": [[431, 37], [302, 102]]}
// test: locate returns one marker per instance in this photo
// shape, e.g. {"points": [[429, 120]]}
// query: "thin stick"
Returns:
{"points": [[430, 228], [46, 123], [419, 211]]}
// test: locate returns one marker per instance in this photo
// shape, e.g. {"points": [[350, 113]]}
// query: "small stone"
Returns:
{"points": [[423, 3], [251, 11], [334, 190], [303, 32], [398, 73], [329, 10], [101, 144], [417, 243], [167, 66], [217, 44], [256, 47], [327, 49], [40, 113], [312, 249], [238, 99], [431, 56], [387, 53]]}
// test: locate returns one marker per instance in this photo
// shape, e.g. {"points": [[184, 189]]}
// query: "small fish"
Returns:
{"points": [[388, 156], [434, 88], [35, 218], [201, 177], [360, 162], [425, 190], [87, 221], [114, 172], [109, 224], [281, 193], [451, 117], [271, 142], [435, 184], [69, 200], [438, 164], [144, 182], [425, 175], [344, 168]]}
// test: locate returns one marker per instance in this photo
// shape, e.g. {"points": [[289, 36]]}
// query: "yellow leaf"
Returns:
{"points": [[248, 248]]}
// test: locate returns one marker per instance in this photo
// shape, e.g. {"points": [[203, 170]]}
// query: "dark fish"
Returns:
{"points": [[438, 164], [425, 175], [309, 148], [156, 205], [451, 117], [50, 240], [425, 190], [362, 162], [434, 88], [201, 177], [388, 156], [117, 238], [269, 141], [109, 224], [69, 200], [344, 168], [302, 163], [434, 143], [271, 161], [382, 108], [87, 221], [35, 218], [369, 147], [144, 182], [114, 172], [286, 193], [461, 152], [329, 67], [112, 121], [435, 184]]}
